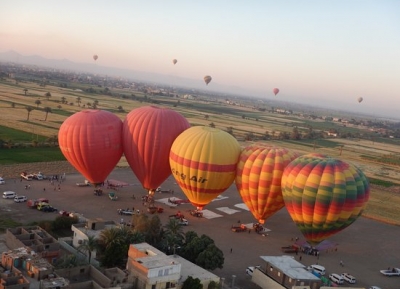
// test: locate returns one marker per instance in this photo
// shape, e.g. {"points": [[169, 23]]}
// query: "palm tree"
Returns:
{"points": [[47, 95], [89, 246], [29, 109], [25, 91], [78, 100], [174, 233], [47, 110], [63, 99], [37, 102]]}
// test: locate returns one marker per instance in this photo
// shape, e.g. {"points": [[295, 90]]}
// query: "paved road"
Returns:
{"points": [[365, 247]]}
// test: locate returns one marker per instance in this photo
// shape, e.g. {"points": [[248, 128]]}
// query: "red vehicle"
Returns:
{"points": [[34, 203]]}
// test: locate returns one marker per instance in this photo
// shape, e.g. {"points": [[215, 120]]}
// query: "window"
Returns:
{"points": [[82, 270], [153, 286], [279, 274], [166, 271], [160, 273]]}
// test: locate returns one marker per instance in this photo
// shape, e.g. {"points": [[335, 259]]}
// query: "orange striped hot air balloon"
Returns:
{"points": [[203, 162], [91, 140], [258, 178], [323, 195]]}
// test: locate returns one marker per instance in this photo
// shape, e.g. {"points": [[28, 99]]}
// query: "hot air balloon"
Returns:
{"points": [[207, 79], [258, 178], [360, 99], [95, 57], [148, 134], [174, 61], [323, 195], [203, 162], [91, 140], [275, 91]]}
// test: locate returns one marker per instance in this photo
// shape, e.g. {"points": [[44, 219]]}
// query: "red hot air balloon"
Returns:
{"points": [[148, 134], [258, 178], [91, 140], [275, 91]]}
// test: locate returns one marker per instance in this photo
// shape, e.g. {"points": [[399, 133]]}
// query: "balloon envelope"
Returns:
{"points": [[275, 91], [360, 99], [91, 140], [95, 57], [203, 162], [148, 134], [258, 178], [174, 61], [207, 79], [323, 195]]}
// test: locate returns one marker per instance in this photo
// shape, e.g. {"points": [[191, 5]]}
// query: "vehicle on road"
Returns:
{"points": [[9, 195], [338, 279], [349, 278], [39, 176], [391, 272], [250, 270], [289, 249], [46, 207], [183, 222], [196, 213], [127, 212], [33, 203], [20, 199], [154, 209], [86, 183], [241, 228], [98, 192], [178, 215], [317, 268], [2, 181]]}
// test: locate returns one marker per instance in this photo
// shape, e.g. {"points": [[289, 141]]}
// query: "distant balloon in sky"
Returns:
{"points": [[95, 57], [275, 91], [207, 79], [174, 61], [360, 99]]}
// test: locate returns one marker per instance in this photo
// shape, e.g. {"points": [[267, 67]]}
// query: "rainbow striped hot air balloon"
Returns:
{"points": [[203, 162], [258, 178], [323, 195]]}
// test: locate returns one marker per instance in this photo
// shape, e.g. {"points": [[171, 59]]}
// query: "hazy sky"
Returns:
{"points": [[331, 52]]}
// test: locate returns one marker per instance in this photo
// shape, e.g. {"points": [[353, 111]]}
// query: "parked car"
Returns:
{"points": [[183, 222], [338, 279], [250, 270], [349, 278], [2, 181], [20, 199], [127, 212], [9, 195]]}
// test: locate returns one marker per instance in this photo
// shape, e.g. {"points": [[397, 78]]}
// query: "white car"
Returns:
{"points": [[20, 199], [183, 222], [250, 270], [2, 181], [338, 279], [349, 278]]}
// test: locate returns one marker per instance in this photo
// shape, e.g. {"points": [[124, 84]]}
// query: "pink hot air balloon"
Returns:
{"points": [[148, 134], [275, 91]]}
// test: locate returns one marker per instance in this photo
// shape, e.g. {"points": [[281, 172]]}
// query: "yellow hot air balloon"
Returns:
{"points": [[203, 162], [207, 79], [258, 178], [174, 61]]}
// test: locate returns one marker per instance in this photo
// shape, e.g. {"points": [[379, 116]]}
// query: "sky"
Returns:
{"points": [[327, 53]]}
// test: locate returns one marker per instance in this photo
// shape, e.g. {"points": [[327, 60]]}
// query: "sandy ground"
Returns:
{"points": [[365, 247]]}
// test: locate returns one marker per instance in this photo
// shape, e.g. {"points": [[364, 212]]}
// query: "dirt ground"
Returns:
{"points": [[365, 247]]}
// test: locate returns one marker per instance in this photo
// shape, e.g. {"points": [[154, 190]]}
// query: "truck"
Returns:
{"points": [[86, 183], [26, 176], [241, 228], [289, 249], [34, 203], [391, 272]]}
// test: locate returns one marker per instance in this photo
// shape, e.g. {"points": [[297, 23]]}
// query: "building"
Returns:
{"points": [[36, 239], [284, 272], [150, 268], [12, 279]]}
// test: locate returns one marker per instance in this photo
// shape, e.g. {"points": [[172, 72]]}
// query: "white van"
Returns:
{"points": [[317, 268], [338, 279], [9, 195]]}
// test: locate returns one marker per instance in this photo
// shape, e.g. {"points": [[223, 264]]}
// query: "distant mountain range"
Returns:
{"points": [[65, 64]]}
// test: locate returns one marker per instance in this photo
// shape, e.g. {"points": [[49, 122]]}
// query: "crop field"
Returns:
{"points": [[378, 158]]}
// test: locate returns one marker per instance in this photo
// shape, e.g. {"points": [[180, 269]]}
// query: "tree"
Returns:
{"points": [[173, 234], [211, 258], [78, 100], [295, 134], [120, 108], [47, 110], [191, 283], [28, 109], [206, 116], [212, 125], [38, 102], [59, 106], [89, 246], [229, 130], [63, 99], [13, 104], [25, 91], [47, 95]]}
